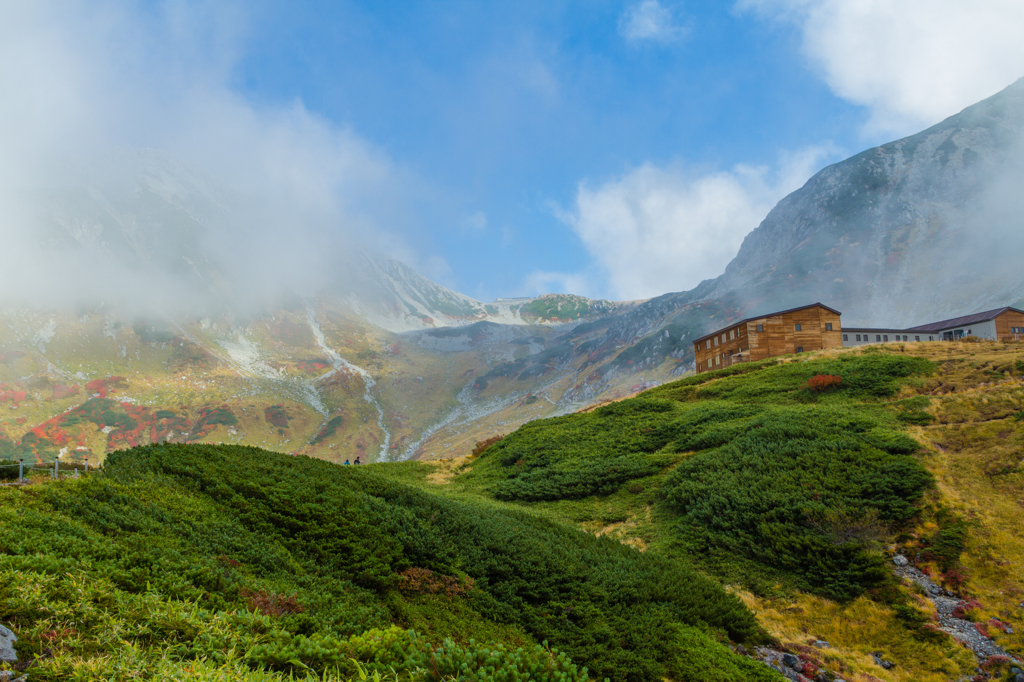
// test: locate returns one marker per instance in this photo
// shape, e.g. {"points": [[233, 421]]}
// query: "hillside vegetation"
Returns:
{"points": [[179, 559], [790, 482], [795, 480]]}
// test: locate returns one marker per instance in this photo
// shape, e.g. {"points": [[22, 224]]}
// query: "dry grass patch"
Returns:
{"points": [[855, 630], [444, 470]]}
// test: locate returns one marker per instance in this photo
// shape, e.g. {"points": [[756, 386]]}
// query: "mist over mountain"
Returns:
{"points": [[238, 313], [923, 228], [918, 229]]}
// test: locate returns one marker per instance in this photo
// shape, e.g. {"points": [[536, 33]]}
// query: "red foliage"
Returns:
{"points": [[963, 608], [955, 578], [105, 386], [484, 444], [227, 561], [270, 604], [60, 391], [315, 365], [982, 629], [997, 624], [424, 581], [820, 383], [12, 394], [277, 415], [995, 662]]}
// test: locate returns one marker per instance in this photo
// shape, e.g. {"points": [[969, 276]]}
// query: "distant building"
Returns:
{"points": [[860, 336], [816, 326], [999, 324], [811, 327], [514, 299]]}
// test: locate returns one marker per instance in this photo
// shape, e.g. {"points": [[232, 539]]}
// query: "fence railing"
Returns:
{"points": [[70, 471]]}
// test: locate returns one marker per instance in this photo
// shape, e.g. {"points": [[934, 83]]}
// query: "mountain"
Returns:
{"points": [[911, 231], [923, 228], [163, 306], [209, 321]]}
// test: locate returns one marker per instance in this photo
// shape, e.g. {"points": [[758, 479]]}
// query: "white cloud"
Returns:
{"points": [[80, 79], [911, 62], [656, 230], [649, 20]]}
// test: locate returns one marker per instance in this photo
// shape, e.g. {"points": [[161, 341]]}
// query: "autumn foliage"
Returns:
{"points": [[270, 604], [424, 581], [820, 383], [482, 445]]}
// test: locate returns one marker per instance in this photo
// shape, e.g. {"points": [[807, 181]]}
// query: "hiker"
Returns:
{"points": [[348, 463], [357, 461]]}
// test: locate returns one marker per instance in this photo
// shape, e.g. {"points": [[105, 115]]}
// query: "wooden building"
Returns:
{"points": [[999, 324], [811, 327], [1005, 324]]}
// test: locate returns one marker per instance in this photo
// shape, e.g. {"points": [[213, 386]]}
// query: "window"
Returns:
{"points": [[799, 349], [930, 338], [798, 327], [717, 360], [878, 337], [828, 327], [708, 347], [904, 337], [917, 338], [858, 337], [885, 337], [760, 327], [968, 332], [716, 340], [732, 334], [846, 337]]}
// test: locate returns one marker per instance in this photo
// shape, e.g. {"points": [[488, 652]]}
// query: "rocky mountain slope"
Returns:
{"points": [[372, 359], [923, 228]]}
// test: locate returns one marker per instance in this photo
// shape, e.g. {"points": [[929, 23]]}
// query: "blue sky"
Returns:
{"points": [[612, 148], [504, 108]]}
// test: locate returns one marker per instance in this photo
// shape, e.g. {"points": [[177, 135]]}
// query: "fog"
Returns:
{"points": [[132, 174]]}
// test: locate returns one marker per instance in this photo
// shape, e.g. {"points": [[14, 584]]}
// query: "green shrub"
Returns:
{"points": [[769, 461], [207, 527]]}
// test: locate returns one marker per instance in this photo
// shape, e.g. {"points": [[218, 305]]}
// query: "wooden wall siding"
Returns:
{"points": [[779, 337], [1005, 324]]}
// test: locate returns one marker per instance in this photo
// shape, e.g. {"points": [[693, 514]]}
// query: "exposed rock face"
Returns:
{"points": [[913, 230], [7, 640], [923, 228]]}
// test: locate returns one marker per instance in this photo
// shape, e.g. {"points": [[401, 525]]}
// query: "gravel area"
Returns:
{"points": [[946, 602]]}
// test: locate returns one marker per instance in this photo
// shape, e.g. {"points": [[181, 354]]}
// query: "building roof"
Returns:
{"points": [[760, 317], [964, 321], [881, 330]]}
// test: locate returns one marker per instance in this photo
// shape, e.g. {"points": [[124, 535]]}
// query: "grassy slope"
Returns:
{"points": [[178, 557], [959, 402]]}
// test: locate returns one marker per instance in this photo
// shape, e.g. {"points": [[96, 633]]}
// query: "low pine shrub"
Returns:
{"points": [[285, 562], [768, 468]]}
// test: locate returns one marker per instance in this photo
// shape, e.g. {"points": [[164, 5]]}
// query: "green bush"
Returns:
{"points": [[769, 461], [205, 525]]}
